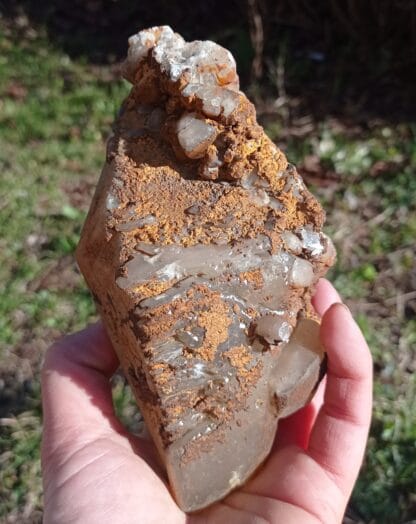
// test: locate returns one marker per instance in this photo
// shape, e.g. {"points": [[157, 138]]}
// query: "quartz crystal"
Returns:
{"points": [[202, 248]]}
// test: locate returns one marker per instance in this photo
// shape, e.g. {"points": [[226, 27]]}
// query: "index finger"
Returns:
{"points": [[339, 436]]}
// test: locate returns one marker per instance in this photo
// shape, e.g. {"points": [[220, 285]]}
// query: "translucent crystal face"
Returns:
{"points": [[194, 135], [202, 248]]}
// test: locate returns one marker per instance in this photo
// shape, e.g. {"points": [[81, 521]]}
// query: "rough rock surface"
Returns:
{"points": [[202, 247]]}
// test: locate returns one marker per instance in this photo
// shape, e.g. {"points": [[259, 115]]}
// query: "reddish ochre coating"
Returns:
{"points": [[202, 248]]}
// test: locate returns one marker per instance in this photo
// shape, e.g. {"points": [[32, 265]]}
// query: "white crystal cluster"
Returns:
{"points": [[201, 62], [207, 75], [215, 100]]}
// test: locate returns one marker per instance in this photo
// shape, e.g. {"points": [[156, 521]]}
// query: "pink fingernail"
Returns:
{"points": [[344, 306]]}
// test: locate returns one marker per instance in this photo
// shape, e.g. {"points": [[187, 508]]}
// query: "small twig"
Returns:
{"points": [[400, 298], [365, 306], [280, 77], [277, 75], [400, 301], [8, 421], [257, 37], [378, 219]]}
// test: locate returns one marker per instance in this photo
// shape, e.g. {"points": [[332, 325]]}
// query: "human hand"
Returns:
{"points": [[94, 471]]}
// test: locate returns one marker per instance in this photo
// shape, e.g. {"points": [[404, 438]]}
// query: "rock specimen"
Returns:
{"points": [[202, 247]]}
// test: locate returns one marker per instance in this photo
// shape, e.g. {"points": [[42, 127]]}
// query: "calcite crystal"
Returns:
{"points": [[202, 248]]}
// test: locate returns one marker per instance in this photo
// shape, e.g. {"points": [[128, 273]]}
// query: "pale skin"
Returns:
{"points": [[94, 471]]}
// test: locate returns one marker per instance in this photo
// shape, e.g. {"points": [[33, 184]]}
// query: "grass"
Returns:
{"points": [[54, 116]]}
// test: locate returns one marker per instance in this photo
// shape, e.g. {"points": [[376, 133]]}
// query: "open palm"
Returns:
{"points": [[96, 472]]}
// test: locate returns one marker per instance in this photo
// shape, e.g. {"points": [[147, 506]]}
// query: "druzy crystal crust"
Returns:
{"points": [[202, 248]]}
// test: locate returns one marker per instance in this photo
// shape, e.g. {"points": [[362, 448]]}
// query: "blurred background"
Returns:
{"points": [[334, 83]]}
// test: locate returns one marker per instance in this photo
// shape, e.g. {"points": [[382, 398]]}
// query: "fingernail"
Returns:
{"points": [[344, 306]]}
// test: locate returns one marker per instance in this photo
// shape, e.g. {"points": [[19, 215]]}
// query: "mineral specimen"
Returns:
{"points": [[202, 247]]}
